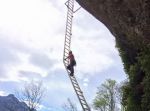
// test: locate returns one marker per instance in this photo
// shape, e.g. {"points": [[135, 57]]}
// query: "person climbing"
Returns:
{"points": [[72, 63]]}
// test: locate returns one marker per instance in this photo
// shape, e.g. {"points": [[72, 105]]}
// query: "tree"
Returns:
{"points": [[32, 94], [122, 91], [69, 106], [105, 99]]}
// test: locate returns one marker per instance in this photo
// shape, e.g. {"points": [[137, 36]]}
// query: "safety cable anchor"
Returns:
{"points": [[74, 11]]}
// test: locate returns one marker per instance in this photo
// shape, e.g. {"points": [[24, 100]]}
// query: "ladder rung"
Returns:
{"points": [[82, 97], [71, 2], [67, 49], [80, 94], [66, 60], [70, 16], [68, 31], [68, 35], [84, 104], [77, 87], [66, 45], [65, 56], [69, 22], [69, 13], [87, 108], [66, 53], [69, 39], [83, 100], [67, 42], [69, 27], [75, 83], [70, 7], [78, 90], [66, 63], [73, 79]]}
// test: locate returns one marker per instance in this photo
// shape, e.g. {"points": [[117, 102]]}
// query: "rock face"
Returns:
{"points": [[11, 103], [129, 22], [121, 16]]}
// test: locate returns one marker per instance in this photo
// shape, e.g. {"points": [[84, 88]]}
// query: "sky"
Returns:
{"points": [[31, 48]]}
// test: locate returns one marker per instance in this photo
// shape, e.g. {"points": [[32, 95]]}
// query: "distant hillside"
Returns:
{"points": [[11, 103]]}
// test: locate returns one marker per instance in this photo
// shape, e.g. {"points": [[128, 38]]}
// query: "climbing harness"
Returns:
{"points": [[67, 44]]}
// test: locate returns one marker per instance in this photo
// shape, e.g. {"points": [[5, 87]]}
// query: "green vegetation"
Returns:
{"points": [[107, 97], [136, 58]]}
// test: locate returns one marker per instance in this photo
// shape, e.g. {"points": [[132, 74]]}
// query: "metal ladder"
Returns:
{"points": [[67, 43]]}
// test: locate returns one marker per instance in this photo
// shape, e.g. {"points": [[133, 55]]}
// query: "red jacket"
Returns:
{"points": [[71, 57]]}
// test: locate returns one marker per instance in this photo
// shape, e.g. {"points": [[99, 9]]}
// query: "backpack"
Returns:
{"points": [[74, 62]]}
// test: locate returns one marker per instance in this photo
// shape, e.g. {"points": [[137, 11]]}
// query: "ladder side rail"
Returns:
{"points": [[76, 92], [67, 43], [68, 13], [82, 93]]}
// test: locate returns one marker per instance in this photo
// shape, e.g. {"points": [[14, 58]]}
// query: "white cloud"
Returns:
{"points": [[86, 80], [2, 93], [85, 84], [32, 22], [42, 107], [34, 29], [52, 85]]}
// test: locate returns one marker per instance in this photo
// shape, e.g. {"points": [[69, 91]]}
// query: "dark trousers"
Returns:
{"points": [[70, 67]]}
